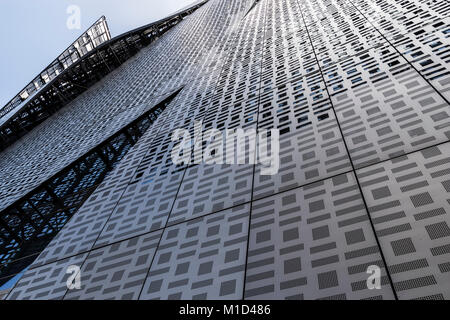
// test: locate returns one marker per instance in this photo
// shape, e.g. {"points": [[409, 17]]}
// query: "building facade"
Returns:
{"points": [[359, 91]]}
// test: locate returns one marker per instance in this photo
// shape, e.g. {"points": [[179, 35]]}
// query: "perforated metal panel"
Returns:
{"points": [[409, 202], [313, 242], [48, 282], [359, 91], [117, 271], [203, 258]]}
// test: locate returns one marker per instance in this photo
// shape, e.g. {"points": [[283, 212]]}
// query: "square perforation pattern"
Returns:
{"points": [[351, 85]]}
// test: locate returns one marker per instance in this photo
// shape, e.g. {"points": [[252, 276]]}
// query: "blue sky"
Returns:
{"points": [[34, 32]]}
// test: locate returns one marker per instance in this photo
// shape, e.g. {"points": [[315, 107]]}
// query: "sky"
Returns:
{"points": [[33, 33]]}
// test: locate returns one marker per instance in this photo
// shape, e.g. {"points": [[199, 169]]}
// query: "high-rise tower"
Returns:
{"points": [[359, 92]]}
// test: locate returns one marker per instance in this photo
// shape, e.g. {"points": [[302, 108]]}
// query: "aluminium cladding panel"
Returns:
{"points": [[418, 29], [311, 145], [409, 202], [117, 271], [399, 17], [203, 258], [314, 242], [338, 35], [47, 282], [286, 49], [429, 53], [210, 188], [144, 207], [384, 107]]}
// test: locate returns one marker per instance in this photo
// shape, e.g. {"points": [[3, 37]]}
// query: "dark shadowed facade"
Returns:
{"points": [[359, 91]]}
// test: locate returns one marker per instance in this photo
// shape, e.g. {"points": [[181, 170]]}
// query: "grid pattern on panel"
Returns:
{"points": [[203, 258], [313, 242], [409, 203], [385, 107], [311, 146], [121, 267], [360, 93], [47, 282]]}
